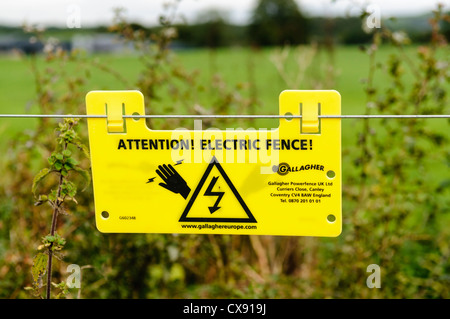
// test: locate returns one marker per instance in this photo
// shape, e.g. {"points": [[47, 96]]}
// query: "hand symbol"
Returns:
{"points": [[172, 180]]}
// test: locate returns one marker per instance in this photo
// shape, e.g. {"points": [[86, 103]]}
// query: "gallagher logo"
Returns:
{"points": [[285, 168]]}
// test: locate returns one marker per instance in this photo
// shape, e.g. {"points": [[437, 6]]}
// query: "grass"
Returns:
{"points": [[16, 93], [235, 65], [17, 86], [17, 89]]}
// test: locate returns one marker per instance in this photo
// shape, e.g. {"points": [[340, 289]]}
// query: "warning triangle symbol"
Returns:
{"points": [[217, 194]]}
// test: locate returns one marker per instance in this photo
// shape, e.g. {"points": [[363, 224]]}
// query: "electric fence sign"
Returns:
{"points": [[281, 181]]}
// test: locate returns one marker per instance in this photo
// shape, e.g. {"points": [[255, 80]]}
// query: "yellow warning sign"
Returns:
{"points": [[283, 181]]}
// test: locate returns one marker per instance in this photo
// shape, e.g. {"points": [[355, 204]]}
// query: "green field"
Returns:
{"points": [[17, 84], [17, 87], [235, 66]]}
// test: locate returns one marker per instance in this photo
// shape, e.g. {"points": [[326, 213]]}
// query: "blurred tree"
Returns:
{"points": [[214, 26], [210, 29], [445, 25], [278, 22]]}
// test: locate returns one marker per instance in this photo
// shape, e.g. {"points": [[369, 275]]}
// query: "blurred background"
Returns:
{"points": [[234, 57]]}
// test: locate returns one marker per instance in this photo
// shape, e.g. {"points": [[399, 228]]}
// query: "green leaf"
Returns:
{"points": [[176, 272], [83, 147], [48, 239], [72, 161], [38, 178], [58, 166], [67, 153], [59, 156], [72, 192], [85, 174], [61, 241], [39, 267], [52, 196]]}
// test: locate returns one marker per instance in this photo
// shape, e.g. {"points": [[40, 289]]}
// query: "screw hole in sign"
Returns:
{"points": [[136, 114], [105, 214], [331, 218], [289, 118], [331, 174]]}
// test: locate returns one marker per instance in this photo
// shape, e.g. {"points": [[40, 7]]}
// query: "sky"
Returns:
{"points": [[94, 12]]}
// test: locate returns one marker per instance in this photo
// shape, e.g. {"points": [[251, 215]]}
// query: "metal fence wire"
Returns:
{"points": [[236, 116]]}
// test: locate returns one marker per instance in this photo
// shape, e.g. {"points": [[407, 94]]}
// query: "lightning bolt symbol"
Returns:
{"points": [[179, 162], [219, 195]]}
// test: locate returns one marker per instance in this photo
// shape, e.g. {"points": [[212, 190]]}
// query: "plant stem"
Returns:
{"points": [[52, 232]]}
